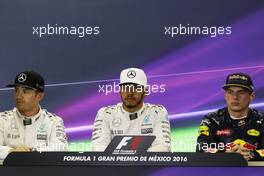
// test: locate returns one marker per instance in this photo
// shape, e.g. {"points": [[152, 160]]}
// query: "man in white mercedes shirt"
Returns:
{"points": [[28, 127], [132, 116]]}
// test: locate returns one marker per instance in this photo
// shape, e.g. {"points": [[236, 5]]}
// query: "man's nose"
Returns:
{"points": [[130, 93], [235, 95]]}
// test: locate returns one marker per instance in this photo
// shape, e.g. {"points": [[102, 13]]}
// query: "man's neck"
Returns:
{"points": [[132, 110], [240, 114], [30, 113]]}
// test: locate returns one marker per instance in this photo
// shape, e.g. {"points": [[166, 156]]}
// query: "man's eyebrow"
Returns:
{"points": [[242, 90], [28, 88]]}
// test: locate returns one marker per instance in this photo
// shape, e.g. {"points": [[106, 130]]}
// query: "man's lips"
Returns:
{"points": [[130, 99], [19, 102], [235, 103]]}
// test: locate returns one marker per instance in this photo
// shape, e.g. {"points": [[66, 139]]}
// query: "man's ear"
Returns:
{"points": [[225, 95], [40, 95], [252, 96]]}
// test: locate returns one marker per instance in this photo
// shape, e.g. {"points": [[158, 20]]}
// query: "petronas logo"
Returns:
{"points": [[146, 119]]}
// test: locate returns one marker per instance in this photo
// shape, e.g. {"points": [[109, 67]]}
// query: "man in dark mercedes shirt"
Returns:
{"points": [[235, 128]]}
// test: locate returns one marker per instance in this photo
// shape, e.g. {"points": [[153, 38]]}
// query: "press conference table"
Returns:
{"points": [[127, 171], [61, 163], [39, 167], [251, 163]]}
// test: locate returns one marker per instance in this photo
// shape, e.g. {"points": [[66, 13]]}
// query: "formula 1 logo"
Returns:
{"points": [[128, 145], [123, 142]]}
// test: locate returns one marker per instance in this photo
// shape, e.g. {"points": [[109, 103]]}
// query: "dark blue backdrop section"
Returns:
{"points": [[131, 33]]}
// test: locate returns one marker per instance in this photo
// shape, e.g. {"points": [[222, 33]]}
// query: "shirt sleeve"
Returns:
{"points": [[4, 150], [206, 136], [101, 136], [162, 131], [58, 139], [259, 152]]}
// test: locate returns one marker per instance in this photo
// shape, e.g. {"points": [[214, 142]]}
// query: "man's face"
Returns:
{"points": [[238, 99], [26, 99], [132, 95]]}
